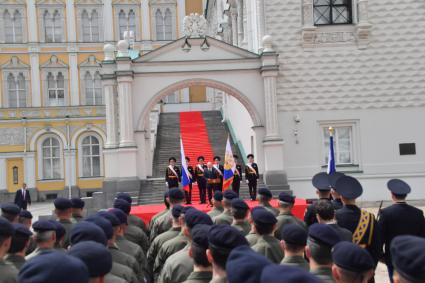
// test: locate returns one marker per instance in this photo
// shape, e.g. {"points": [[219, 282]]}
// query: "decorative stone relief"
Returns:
{"points": [[195, 26], [11, 136]]}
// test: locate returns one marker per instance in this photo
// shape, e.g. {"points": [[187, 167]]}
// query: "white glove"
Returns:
{"points": [[166, 183], [247, 181]]}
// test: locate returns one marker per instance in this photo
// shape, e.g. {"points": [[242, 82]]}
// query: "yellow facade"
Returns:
{"points": [[15, 174]]}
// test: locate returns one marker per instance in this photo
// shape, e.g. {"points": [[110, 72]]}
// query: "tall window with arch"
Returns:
{"points": [[17, 90], [90, 155], [52, 26], [164, 24], [13, 26], [51, 158], [56, 89], [93, 88], [126, 22], [90, 26]]}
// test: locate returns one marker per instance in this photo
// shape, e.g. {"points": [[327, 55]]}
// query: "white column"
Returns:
{"points": [[240, 22], [70, 21], [3, 175], [234, 16], [30, 169], [111, 114], [270, 79], [146, 28], [125, 111], [32, 21], [35, 77], [108, 20], [260, 22], [181, 8], [73, 79], [70, 168]]}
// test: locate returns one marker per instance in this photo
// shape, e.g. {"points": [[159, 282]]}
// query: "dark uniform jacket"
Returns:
{"points": [[400, 219], [171, 178], [199, 174], [211, 175], [249, 175], [345, 234], [237, 176], [337, 204], [192, 173], [297, 261]]}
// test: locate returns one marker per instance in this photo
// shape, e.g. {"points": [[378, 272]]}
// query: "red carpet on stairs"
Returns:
{"points": [[194, 135]]}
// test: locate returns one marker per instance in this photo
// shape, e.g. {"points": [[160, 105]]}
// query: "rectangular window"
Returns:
{"points": [[332, 12], [343, 145]]}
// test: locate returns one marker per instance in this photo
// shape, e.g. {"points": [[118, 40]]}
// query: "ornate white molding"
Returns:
{"points": [[195, 26]]}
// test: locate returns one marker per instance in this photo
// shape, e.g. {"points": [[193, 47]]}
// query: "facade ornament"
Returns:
{"points": [[122, 48], [267, 43], [108, 50], [195, 26]]}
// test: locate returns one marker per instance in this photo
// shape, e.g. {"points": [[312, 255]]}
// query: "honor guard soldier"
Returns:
{"points": [[132, 219], [399, 219], [25, 217], [213, 180], [294, 240], [408, 259], [285, 216], [77, 209], [45, 237], [323, 190], [220, 171], [200, 179], [172, 174], [361, 223], [251, 176], [237, 176], [10, 211], [265, 196], [8, 272], [63, 211], [19, 245], [60, 235], [226, 216], [240, 212], [351, 263], [336, 198], [217, 205], [286, 274], [192, 179]]}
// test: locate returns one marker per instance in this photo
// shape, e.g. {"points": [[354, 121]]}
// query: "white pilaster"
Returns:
{"points": [[125, 111], [234, 16], [181, 8], [30, 169], [73, 79], [240, 22], [3, 184], [32, 21], [260, 22], [35, 77], [70, 167], [111, 114], [144, 11], [108, 18], [70, 21]]}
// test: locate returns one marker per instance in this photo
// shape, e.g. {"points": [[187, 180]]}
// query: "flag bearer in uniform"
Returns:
{"points": [[172, 174], [200, 179], [192, 179], [251, 176], [213, 180], [237, 176], [220, 171]]}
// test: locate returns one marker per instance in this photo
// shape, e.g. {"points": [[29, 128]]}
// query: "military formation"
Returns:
{"points": [[336, 242]]}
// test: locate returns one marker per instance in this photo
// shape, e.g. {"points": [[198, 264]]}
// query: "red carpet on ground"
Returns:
{"points": [[145, 212]]}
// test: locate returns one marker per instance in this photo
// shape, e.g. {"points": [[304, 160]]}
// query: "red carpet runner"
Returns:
{"points": [[194, 135]]}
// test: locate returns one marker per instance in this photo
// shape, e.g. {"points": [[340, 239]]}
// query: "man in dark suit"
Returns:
{"points": [[237, 176], [213, 178], [399, 219], [251, 176], [22, 197]]}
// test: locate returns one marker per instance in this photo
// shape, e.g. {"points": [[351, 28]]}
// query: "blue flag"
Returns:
{"points": [[331, 158]]}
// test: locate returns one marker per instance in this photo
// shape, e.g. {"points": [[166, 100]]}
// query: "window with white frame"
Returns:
{"points": [[332, 12], [93, 88], [56, 89], [164, 24], [343, 145], [16, 90], [13, 30], [127, 22], [91, 157], [52, 26], [51, 158], [90, 26]]}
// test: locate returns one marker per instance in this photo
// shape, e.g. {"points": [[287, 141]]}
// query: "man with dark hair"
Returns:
{"points": [[251, 176], [237, 176], [10, 211], [321, 239], [325, 214], [202, 269], [222, 239], [23, 197], [240, 211], [294, 240], [217, 205], [323, 190], [200, 179], [399, 219], [172, 174], [226, 216], [192, 179], [45, 237], [220, 171], [19, 245], [212, 178], [63, 211], [264, 198], [77, 209], [285, 216], [351, 263], [8, 272], [267, 244]]}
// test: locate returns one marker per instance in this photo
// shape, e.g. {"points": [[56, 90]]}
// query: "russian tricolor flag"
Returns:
{"points": [[229, 166], [185, 173]]}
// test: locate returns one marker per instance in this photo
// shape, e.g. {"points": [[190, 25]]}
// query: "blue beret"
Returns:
{"points": [[176, 194], [10, 208], [123, 205], [218, 196], [226, 237], [285, 197], [194, 217], [122, 217], [59, 229], [294, 234], [199, 235], [110, 217], [321, 181], [351, 257], [263, 216], [334, 177], [186, 209], [265, 192], [349, 187], [230, 194], [125, 196], [21, 230], [323, 234], [176, 211], [6, 228], [25, 214], [409, 258], [104, 224], [239, 204], [245, 265], [275, 273], [77, 203], [62, 203], [95, 256], [87, 231], [43, 226], [398, 187], [53, 267]]}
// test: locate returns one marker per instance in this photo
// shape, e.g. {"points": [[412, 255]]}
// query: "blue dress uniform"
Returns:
{"points": [[252, 175], [399, 219], [200, 179], [321, 182], [213, 180], [172, 175], [361, 223]]}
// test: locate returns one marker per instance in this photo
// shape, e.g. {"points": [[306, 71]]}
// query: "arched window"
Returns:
{"points": [[127, 22], [86, 26], [93, 88], [56, 89], [52, 26], [95, 34], [168, 25], [48, 26], [90, 154], [122, 20], [159, 25], [132, 21], [90, 26], [164, 25], [57, 26], [12, 27], [51, 158], [16, 89]]}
